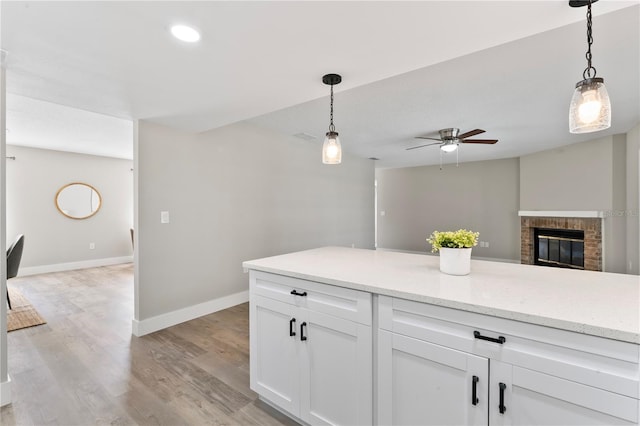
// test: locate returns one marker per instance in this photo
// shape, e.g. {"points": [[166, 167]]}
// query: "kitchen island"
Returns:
{"points": [[360, 333]]}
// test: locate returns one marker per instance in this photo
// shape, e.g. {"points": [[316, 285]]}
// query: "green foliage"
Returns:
{"points": [[461, 238]]}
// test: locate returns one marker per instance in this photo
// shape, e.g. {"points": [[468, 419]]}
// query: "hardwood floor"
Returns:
{"points": [[84, 367]]}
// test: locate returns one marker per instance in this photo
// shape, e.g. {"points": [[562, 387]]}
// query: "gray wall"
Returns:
{"points": [[633, 201], [3, 255], [573, 177], [233, 194], [33, 180], [481, 196], [615, 226], [585, 176]]}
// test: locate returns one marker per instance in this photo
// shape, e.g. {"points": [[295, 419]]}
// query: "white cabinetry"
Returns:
{"points": [[527, 374], [535, 398], [311, 349], [425, 384], [275, 373]]}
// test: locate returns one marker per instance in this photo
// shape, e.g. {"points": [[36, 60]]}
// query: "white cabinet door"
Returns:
{"points": [[336, 371], [274, 352], [420, 383], [532, 398]]}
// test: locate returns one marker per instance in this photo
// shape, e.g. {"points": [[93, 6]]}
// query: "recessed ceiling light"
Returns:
{"points": [[185, 33]]}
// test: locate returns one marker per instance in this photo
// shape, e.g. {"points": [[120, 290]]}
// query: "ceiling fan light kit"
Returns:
{"points": [[590, 108], [331, 149], [449, 146], [451, 137]]}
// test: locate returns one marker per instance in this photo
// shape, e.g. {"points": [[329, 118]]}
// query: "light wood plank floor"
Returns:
{"points": [[84, 367]]}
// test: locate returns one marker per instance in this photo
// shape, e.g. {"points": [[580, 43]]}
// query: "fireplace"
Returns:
{"points": [[560, 247]]}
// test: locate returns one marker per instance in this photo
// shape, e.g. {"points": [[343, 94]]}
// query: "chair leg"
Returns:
{"points": [[8, 299]]}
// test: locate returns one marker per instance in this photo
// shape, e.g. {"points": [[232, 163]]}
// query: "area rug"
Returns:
{"points": [[21, 314]]}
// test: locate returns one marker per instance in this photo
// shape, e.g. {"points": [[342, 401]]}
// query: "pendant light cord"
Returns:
{"points": [[332, 128], [587, 72]]}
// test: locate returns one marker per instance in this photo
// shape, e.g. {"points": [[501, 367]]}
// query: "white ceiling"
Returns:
{"points": [[119, 59], [518, 92], [46, 125]]}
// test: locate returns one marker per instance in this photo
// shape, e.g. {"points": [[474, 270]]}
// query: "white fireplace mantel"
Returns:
{"points": [[561, 213]]}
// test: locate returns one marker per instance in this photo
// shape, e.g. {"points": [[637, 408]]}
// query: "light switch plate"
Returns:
{"points": [[164, 217]]}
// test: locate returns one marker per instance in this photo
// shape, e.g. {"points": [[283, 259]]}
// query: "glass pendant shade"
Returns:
{"points": [[331, 149], [590, 108], [449, 147]]}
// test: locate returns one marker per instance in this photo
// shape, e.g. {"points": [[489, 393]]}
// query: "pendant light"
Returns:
{"points": [[590, 108], [331, 149]]}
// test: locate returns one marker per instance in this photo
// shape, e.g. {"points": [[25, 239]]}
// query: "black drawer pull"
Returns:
{"points": [[302, 326], [295, 293], [500, 339], [474, 396], [292, 327], [501, 407]]}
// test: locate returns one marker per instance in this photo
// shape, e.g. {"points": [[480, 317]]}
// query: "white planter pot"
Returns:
{"points": [[455, 261]]}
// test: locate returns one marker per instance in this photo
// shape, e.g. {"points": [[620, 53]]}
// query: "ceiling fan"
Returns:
{"points": [[450, 138]]}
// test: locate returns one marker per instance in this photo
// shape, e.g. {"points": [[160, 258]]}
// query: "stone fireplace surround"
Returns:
{"points": [[589, 222]]}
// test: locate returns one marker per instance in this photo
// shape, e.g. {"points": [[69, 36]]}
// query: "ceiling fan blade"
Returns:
{"points": [[424, 137], [485, 141], [470, 133], [422, 146]]}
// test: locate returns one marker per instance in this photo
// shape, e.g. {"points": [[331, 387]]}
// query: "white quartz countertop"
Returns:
{"points": [[596, 303]]}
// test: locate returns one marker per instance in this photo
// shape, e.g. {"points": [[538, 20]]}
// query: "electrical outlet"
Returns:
{"points": [[486, 243], [92, 246], [164, 217]]}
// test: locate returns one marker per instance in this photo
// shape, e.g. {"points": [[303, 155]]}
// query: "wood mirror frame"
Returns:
{"points": [[68, 200]]}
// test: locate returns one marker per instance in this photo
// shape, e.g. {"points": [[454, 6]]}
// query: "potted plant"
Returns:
{"points": [[455, 250]]}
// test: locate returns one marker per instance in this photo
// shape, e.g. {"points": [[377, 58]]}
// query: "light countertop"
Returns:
{"points": [[596, 303]]}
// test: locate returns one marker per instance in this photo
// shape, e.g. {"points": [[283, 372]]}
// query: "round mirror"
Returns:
{"points": [[78, 200]]}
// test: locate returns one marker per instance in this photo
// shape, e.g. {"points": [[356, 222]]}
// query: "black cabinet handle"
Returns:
{"points": [[500, 339], [292, 327], [501, 407], [474, 396], [302, 326], [295, 293]]}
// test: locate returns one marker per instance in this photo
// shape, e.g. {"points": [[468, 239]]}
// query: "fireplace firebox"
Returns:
{"points": [[590, 226], [562, 248]]}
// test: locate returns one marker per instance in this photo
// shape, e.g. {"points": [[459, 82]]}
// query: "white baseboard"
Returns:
{"points": [[159, 322], [496, 259], [5, 392], [59, 267], [491, 259]]}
